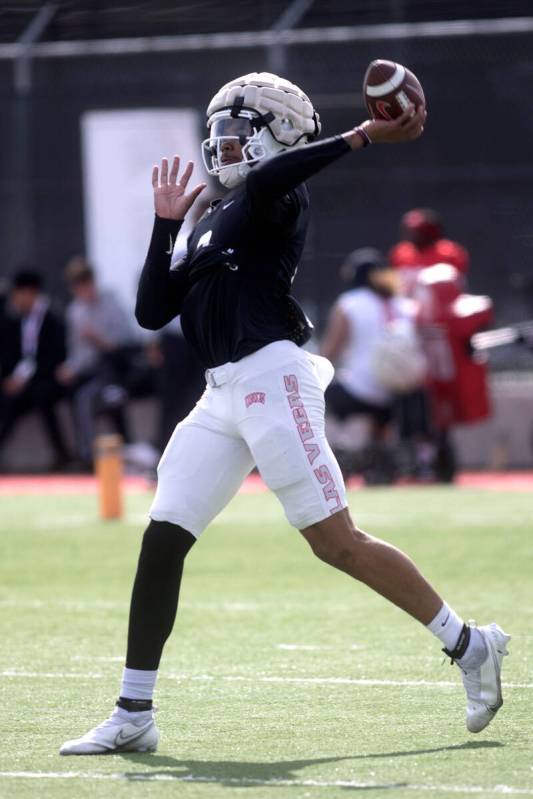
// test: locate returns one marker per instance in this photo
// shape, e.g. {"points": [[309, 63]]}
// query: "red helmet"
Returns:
{"points": [[422, 226]]}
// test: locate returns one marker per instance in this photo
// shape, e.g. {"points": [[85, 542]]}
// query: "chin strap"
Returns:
{"points": [[234, 175], [236, 107]]}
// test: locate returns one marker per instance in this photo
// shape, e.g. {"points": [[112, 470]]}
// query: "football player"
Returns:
{"points": [[264, 400], [423, 244]]}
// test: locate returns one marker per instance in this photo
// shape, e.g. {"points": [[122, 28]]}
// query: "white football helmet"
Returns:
{"points": [[265, 114]]}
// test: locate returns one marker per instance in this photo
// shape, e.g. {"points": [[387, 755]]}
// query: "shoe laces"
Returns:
{"points": [[114, 720]]}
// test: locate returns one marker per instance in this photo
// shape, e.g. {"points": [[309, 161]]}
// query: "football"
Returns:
{"points": [[388, 88]]}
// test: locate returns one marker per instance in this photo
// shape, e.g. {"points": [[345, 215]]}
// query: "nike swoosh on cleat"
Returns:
{"points": [[227, 205], [121, 739]]}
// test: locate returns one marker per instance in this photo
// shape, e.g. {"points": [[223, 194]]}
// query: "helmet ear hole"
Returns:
{"points": [[257, 151]]}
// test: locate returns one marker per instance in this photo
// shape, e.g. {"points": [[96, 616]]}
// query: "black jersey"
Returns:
{"points": [[232, 288]]}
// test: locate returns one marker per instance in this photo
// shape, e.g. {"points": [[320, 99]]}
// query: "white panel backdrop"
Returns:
{"points": [[119, 149]]}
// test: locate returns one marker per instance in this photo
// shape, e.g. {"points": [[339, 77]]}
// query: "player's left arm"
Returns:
{"points": [[161, 290]]}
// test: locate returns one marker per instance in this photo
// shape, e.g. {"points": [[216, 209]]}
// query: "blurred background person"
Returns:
{"points": [[179, 379], [33, 346], [457, 385], [423, 244], [6, 322], [359, 322], [99, 335]]}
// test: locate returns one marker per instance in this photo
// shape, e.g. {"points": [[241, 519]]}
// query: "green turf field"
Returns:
{"points": [[283, 678]]}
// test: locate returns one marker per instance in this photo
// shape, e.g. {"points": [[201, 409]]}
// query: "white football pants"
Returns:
{"points": [[266, 409]]}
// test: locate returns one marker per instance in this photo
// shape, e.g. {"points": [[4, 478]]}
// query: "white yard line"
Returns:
{"points": [[66, 604], [334, 681], [59, 675], [225, 606], [51, 675], [303, 647], [92, 605], [99, 658], [158, 776]]}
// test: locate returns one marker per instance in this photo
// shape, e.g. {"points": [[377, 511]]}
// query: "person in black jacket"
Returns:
{"points": [[264, 402], [33, 345]]}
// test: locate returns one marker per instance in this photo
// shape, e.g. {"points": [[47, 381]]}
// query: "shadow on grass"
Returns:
{"points": [[234, 773]]}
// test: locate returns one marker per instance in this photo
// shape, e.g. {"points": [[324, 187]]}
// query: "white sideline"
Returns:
{"points": [[303, 647], [170, 777], [59, 675], [52, 675], [337, 681]]}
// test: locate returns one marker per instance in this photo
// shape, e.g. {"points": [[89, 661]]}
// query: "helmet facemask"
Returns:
{"points": [[250, 131]]}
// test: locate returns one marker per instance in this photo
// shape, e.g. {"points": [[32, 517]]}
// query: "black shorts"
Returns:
{"points": [[341, 404]]}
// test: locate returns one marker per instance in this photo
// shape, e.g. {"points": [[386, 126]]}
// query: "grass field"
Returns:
{"points": [[283, 678]]}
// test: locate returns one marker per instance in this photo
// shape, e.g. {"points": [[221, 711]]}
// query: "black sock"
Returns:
{"points": [[154, 599]]}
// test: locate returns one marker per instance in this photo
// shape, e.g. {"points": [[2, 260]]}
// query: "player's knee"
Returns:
{"points": [[332, 552], [165, 545], [341, 552]]}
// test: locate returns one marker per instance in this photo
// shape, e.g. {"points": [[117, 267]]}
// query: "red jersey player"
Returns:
{"points": [[424, 245]]}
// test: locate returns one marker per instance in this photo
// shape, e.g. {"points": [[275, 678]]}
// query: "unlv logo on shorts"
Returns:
{"points": [[255, 396]]}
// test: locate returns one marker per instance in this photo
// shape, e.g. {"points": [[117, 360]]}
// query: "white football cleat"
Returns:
{"points": [[483, 685], [116, 734]]}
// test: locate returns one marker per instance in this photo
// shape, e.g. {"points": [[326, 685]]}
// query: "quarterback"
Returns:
{"points": [[264, 400]]}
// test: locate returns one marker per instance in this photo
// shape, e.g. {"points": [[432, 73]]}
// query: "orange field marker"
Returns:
{"points": [[108, 467]]}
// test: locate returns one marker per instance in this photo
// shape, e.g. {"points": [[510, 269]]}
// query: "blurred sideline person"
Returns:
{"points": [[424, 244], [33, 345], [457, 386], [7, 325], [98, 330], [264, 402], [357, 324], [179, 380]]}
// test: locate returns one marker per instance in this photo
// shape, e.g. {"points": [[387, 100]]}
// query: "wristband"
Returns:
{"points": [[364, 136]]}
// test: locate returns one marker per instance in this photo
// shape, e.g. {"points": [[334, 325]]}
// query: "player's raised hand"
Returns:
{"points": [[407, 127], [171, 200]]}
